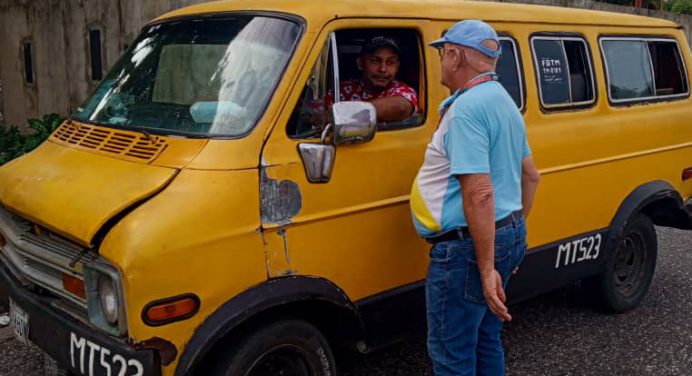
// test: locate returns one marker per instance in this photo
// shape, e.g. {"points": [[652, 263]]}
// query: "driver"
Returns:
{"points": [[379, 64]]}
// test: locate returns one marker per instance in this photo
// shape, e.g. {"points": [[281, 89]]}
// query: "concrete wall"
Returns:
{"points": [[681, 19], [2, 119], [58, 31]]}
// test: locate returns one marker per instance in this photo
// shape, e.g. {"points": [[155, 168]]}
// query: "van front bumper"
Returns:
{"points": [[75, 346]]}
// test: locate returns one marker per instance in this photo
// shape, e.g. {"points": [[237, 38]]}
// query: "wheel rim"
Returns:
{"points": [[282, 360], [630, 261]]}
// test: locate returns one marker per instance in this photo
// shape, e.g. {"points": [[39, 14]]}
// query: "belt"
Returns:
{"points": [[460, 233]]}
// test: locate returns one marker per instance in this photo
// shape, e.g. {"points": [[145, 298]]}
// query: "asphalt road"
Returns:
{"points": [[556, 334]]}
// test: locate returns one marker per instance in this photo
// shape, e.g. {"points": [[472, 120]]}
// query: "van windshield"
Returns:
{"points": [[200, 77]]}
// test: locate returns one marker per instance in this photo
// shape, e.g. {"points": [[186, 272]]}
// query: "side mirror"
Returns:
{"points": [[354, 122]]}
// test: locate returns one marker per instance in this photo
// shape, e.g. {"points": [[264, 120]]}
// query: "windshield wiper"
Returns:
{"points": [[147, 135]]}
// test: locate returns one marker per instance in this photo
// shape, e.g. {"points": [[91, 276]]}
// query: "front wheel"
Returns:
{"points": [[287, 348], [629, 268]]}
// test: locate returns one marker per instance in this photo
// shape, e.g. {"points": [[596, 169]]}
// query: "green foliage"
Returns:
{"points": [[14, 144], [11, 143], [682, 6]]}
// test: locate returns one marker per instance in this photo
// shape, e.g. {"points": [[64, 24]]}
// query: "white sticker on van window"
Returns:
{"points": [[580, 250], [552, 70]]}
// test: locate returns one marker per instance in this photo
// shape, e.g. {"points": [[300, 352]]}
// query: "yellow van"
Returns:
{"points": [[198, 215]]}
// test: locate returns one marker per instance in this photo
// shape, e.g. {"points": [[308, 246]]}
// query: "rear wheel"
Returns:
{"points": [[629, 268], [287, 348]]}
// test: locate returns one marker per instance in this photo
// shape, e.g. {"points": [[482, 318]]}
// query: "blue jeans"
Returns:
{"points": [[463, 334]]}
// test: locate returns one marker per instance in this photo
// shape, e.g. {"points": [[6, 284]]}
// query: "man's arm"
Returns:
{"points": [[479, 210], [392, 108], [529, 182]]}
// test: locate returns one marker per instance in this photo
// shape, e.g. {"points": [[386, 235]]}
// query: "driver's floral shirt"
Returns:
{"points": [[355, 90]]}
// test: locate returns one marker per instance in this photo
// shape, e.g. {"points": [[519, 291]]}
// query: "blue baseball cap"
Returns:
{"points": [[472, 34]]}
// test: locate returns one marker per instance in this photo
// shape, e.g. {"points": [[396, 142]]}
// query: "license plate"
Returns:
{"points": [[89, 358], [19, 320]]}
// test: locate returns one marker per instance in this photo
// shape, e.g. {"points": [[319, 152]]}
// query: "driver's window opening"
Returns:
{"points": [[382, 66]]}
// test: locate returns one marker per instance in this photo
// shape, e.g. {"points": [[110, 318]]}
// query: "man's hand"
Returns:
{"points": [[479, 209], [494, 295]]}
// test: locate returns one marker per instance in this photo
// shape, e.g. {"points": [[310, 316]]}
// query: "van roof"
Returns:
{"points": [[314, 11]]}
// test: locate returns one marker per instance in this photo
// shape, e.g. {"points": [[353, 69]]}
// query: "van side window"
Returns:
{"points": [[640, 69], [564, 71], [509, 72], [311, 114], [669, 74]]}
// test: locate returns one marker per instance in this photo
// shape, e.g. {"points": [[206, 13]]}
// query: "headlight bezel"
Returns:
{"points": [[93, 271]]}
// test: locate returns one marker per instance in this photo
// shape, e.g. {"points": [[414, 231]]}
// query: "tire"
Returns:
{"points": [[629, 268], [287, 347]]}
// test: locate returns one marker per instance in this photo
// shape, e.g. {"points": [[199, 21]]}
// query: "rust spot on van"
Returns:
{"points": [[280, 200]]}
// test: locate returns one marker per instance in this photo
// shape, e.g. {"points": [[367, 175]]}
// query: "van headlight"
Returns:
{"points": [[108, 299], [105, 298]]}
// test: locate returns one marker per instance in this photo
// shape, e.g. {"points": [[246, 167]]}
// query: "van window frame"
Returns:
{"points": [[394, 126], [518, 62], [650, 99], [332, 44], [583, 105]]}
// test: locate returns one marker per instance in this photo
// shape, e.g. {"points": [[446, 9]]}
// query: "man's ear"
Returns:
{"points": [[359, 63], [460, 58]]}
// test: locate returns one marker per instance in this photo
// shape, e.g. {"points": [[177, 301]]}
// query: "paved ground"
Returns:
{"points": [[556, 334]]}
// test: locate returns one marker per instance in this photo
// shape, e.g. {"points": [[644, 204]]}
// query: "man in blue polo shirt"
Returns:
{"points": [[469, 200]]}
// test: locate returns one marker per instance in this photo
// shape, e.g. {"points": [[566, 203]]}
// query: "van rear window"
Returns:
{"points": [[640, 69], [564, 71]]}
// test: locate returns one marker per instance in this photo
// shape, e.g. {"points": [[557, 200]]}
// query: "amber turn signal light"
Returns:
{"points": [[74, 285], [172, 309]]}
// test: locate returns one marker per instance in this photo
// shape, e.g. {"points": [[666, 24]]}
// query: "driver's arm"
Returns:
{"points": [[392, 108]]}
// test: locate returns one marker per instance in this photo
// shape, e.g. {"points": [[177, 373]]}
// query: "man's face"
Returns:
{"points": [[379, 67]]}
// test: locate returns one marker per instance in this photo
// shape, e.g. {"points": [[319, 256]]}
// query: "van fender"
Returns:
{"points": [[262, 298], [650, 198]]}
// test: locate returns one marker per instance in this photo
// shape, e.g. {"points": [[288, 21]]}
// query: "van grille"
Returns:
{"points": [[40, 256], [126, 145]]}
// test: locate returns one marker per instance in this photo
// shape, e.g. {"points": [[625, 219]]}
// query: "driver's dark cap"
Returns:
{"points": [[378, 42]]}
